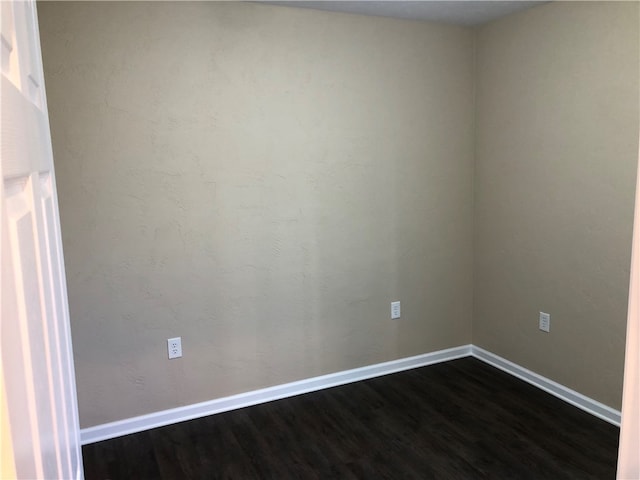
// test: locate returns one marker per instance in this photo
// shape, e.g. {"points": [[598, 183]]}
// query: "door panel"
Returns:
{"points": [[38, 381]]}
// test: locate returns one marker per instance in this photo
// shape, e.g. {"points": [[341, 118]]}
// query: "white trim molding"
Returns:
{"points": [[576, 399], [219, 405]]}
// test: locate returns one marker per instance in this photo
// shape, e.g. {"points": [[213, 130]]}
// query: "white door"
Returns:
{"points": [[38, 407], [629, 449]]}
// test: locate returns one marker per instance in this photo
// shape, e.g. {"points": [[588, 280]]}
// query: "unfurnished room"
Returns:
{"points": [[320, 240]]}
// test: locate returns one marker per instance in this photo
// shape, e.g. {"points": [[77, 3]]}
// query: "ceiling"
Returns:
{"points": [[458, 12]]}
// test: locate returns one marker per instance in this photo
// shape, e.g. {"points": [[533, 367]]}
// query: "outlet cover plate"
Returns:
{"points": [[395, 310], [544, 322], [174, 347]]}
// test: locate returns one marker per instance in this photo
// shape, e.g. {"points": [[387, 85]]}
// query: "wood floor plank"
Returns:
{"points": [[461, 419]]}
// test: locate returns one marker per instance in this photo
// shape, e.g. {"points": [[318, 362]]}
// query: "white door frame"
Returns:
{"points": [[40, 434], [629, 447]]}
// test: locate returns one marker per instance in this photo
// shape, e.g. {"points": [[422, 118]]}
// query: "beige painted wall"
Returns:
{"points": [[556, 153], [263, 182]]}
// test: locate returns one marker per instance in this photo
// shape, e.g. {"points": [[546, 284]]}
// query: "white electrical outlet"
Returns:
{"points": [[395, 310], [544, 322], [174, 347]]}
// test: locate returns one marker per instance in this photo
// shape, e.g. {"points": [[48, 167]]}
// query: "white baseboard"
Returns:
{"points": [[197, 410], [219, 405], [576, 399]]}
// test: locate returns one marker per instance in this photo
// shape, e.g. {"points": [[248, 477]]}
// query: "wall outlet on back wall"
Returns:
{"points": [[544, 322], [395, 310]]}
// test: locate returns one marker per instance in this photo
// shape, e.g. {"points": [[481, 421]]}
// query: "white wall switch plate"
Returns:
{"points": [[174, 347], [544, 322], [395, 310]]}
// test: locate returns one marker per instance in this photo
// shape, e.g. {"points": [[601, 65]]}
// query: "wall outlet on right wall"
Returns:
{"points": [[544, 322], [174, 347]]}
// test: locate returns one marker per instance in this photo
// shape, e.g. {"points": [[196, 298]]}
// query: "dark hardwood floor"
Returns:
{"points": [[461, 419]]}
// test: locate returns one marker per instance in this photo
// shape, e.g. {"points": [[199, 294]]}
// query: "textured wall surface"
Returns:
{"points": [[261, 181], [557, 140]]}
